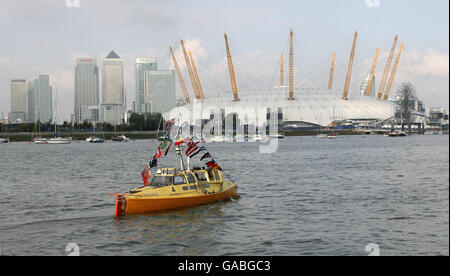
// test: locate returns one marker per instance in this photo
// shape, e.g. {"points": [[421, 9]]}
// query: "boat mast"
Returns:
{"points": [[56, 108], [157, 132], [179, 148]]}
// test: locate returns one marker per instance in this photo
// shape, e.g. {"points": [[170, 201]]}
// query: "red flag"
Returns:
{"points": [[192, 148], [145, 175], [158, 153], [168, 148], [171, 122], [213, 165], [179, 142]]}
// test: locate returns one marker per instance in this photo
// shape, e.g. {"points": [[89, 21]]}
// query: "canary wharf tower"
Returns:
{"points": [[112, 80], [86, 87], [142, 65]]}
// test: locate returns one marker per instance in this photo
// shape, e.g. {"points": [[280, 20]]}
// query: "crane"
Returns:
{"points": [[281, 71], [349, 69], [392, 76], [291, 67], [330, 81], [191, 74], [180, 77], [197, 80], [386, 69], [231, 69], [372, 73]]}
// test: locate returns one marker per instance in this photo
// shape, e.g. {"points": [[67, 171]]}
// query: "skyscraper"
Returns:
{"points": [[40, 99], [19, 101], [142, 65], [30, 93], [159, 89], [86, 90], [112, 80]]}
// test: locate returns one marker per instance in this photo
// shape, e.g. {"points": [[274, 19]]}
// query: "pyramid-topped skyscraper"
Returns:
{"points": [[112, 80], [112, 54], [113, 94]]}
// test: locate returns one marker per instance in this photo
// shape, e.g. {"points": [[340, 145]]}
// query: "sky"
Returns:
{"points": [[46, 37]]}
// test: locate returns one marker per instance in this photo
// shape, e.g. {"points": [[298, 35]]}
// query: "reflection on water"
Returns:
{"points": [[311, 197]]}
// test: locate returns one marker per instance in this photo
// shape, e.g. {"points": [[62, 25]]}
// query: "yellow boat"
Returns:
{"points": [[172, 189]]}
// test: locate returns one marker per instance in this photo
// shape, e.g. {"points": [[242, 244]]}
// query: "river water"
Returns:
{"points": [[310, 197]]}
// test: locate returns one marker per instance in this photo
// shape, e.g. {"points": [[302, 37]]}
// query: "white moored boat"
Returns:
{"points": [[257, 137], [59, 140], [40, 140]]}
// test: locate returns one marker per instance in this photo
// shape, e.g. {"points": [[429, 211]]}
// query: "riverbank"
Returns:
{"points": [[107, 135], [28, 136]]}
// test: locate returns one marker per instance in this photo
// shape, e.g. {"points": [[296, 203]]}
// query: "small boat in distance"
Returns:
{"points": [[94, 139], [277, 136], [59, 140], [395, 134], [257, 137], [240, 138], [36, 136], [219, 139], [332, 136], [120, 138], [40, 140], [3, 140]]}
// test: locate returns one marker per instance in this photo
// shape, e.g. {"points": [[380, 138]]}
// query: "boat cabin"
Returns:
{"points": [[164, 177], [186, 180]]}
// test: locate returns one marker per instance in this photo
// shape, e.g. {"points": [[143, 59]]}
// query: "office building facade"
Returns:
{"points": [[111, 113], [88, 113], [159, 87], [142, 65], [112, 80], [19, 101], [86, 89], [40, 98]]}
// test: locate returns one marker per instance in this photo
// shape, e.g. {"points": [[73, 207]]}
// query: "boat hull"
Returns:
{"points": [[129, 205], [58, 142]]}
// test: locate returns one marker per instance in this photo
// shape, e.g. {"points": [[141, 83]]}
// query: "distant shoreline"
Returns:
{"points": [[27, 136], [107, 135]]}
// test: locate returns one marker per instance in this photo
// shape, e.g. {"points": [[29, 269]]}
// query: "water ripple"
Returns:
{"points": [[311, 197]]}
